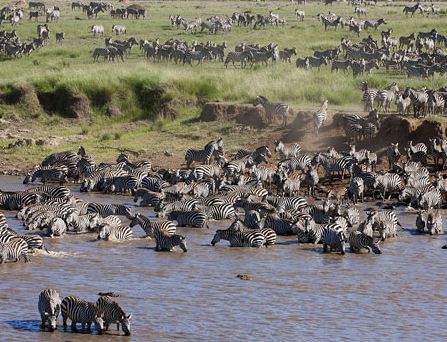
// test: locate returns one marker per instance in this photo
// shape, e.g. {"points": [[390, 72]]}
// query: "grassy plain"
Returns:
{"points": [[67, 69]]}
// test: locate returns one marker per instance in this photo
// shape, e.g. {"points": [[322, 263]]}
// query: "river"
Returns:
{"points": [[296, 293]]}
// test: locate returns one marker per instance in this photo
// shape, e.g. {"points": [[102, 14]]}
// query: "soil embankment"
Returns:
{"points": [[300, 127]]}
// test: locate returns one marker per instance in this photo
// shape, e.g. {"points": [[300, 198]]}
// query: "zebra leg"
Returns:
{"points": [[43, 318], [325, 247], [64, 321], [118, 326]]}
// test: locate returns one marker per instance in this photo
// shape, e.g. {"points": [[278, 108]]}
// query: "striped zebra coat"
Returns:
{"points": [[320, 117], [273, 110], [81, 311], [113, 313], [109, 233], [150, 227], [237, 238], [201, 156], [49, 307], [167, 242], [359, 241], [13, 250]]}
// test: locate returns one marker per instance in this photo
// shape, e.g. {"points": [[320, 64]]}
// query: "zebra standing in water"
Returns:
{"points": [[167, 242], [79, 310], [237, 238], [273, 109], [13, 250], [113, 313], [109, 233], [359, 241], [320, 117], [49, 308]]}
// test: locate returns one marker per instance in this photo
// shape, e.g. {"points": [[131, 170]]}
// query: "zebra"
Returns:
{"points": [[113, 313], [386, 96], [343, 65], [252, 220], [386, 221], [109, 233], [334, 238], [430, 199], [434, 223], [56, 227], [49, 307], [122, 184], [287, 203], [388, 182], [203, 156], [220, 212], [119, 29], [52, 191], [320, 117], [237, 238], [167, 242], [332, 165], [150, 227], [105, 210], [419, 100], [273, 109], [60, 36], [81, 311], [410, 9], [393, 154], [317, 61], [435, 103], [269, 234], [144, 197], [301, 162], [356, 189], [359, 241], [13, 250], [189, 218], [369, 94], [48, 175], [243, 57], [290, 151], [83, 223], [374, 23], [279, 226], [286, 54], [311, 180], [101, 52], [97, 30], [303, 63], [299, 15]]}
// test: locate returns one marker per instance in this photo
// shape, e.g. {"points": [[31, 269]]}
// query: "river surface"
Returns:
{"points": [[296, 293]]}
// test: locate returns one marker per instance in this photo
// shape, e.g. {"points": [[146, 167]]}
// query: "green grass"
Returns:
{"points": [[142, 89]]}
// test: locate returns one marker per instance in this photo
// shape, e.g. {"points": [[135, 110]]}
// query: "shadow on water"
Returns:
{"points": [[30, 325]]}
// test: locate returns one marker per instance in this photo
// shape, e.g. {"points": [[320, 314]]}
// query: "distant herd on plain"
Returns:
{"points": [[419, 54]]}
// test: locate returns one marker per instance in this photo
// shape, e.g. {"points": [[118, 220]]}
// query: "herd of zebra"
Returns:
{"points": [[419, 55], [262, 201], [102, 313], [12, 47], [214, 24], [424, 101]]}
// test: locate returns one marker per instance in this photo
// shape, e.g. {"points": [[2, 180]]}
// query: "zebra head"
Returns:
{"points": [[217, 237], [182, 243], [27, 178], [125, 324], [104, 232], [99, 323]]}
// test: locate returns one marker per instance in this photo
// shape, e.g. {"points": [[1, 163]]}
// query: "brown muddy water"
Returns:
{"points": [[296, 293]]}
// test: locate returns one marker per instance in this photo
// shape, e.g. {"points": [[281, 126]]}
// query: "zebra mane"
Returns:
{"points": [[108, 294], [263, 98]]}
